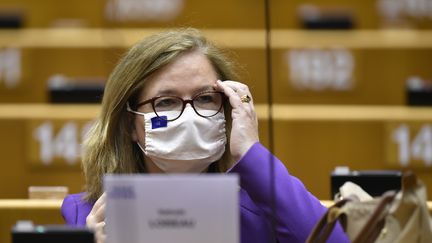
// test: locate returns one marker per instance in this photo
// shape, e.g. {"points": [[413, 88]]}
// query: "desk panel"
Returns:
{"points": [[312, 149]]}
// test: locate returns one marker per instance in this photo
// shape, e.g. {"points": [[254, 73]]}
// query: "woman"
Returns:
{"points": [[167, 90]]}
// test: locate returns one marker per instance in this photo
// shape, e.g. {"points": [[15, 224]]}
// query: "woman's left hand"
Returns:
{"points": [[244, 131]]}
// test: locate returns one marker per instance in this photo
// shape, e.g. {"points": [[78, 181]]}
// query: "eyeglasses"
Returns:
{"points": [[170, 108]]}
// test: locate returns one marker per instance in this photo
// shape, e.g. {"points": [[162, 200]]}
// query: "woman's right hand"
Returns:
{"points": [[244, 130], [96, 219]]}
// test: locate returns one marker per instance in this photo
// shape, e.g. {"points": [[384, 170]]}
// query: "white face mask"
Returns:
{"points": [[189, 144]]}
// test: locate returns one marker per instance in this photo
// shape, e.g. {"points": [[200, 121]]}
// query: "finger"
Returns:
{"points": [[99, 231], [101, 200], [99, 215], [230, 93], [239, 88], [100, 226], [102, 239]]}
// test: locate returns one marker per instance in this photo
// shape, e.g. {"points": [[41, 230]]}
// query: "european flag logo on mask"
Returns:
{"points": [[158, 122]]}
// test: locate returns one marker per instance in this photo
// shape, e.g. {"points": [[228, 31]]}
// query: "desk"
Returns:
{"points": [[328, 203], [38, 211], [30, 204], [47, 212]]}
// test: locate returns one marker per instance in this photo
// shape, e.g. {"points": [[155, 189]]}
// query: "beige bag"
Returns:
{"points": [[401, 217]]}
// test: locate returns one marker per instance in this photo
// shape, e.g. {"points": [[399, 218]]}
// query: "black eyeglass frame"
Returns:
{"points": [[185, 102]]}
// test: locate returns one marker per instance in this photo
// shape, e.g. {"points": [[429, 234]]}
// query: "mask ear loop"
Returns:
{"points": [[142, 149], [129, 109]]}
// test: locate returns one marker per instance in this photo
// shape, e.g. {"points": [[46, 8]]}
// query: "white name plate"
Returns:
{"points": [[177, 208]]}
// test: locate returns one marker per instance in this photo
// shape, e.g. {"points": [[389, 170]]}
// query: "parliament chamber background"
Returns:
{"points": [[338, 96]]}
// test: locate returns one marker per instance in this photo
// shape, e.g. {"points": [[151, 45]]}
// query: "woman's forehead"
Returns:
{"points": [[189, 73]]}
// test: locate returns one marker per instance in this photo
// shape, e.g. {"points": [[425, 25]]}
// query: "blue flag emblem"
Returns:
{"points": [[158, 122]]}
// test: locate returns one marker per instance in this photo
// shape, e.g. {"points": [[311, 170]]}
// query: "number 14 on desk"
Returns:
{"points": [[409, 144]]}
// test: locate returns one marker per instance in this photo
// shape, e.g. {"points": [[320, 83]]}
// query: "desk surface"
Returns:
{"points": [[280, 112], [233, 38], [56, 204], [30, 203]]}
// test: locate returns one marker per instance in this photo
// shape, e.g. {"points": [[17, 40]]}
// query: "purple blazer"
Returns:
{"points": [[293, 216]]}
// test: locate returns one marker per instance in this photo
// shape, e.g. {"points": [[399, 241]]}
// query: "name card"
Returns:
{"points": [[172, 208]]}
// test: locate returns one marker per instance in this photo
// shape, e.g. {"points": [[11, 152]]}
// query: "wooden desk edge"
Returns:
{"points": [[56, 204], [281, 112], [229, 37], [30, 203], [329, 203]]}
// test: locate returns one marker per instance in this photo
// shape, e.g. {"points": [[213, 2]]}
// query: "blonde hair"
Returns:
{"points": [[109, 147]]}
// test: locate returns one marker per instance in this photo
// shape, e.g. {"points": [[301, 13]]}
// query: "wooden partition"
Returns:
{"points": [[313, 140], [338, 97], [81, 41], [366, 14]]}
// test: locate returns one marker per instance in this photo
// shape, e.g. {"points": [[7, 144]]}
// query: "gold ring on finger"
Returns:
{"points": [[245, 99]]}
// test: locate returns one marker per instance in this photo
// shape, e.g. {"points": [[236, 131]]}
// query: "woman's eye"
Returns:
{"points": [[165, 102], [205, 99]]}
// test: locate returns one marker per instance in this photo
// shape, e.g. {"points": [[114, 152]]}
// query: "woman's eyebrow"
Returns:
{"points": [[175, 92], [205, 88], [166, 92]]}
